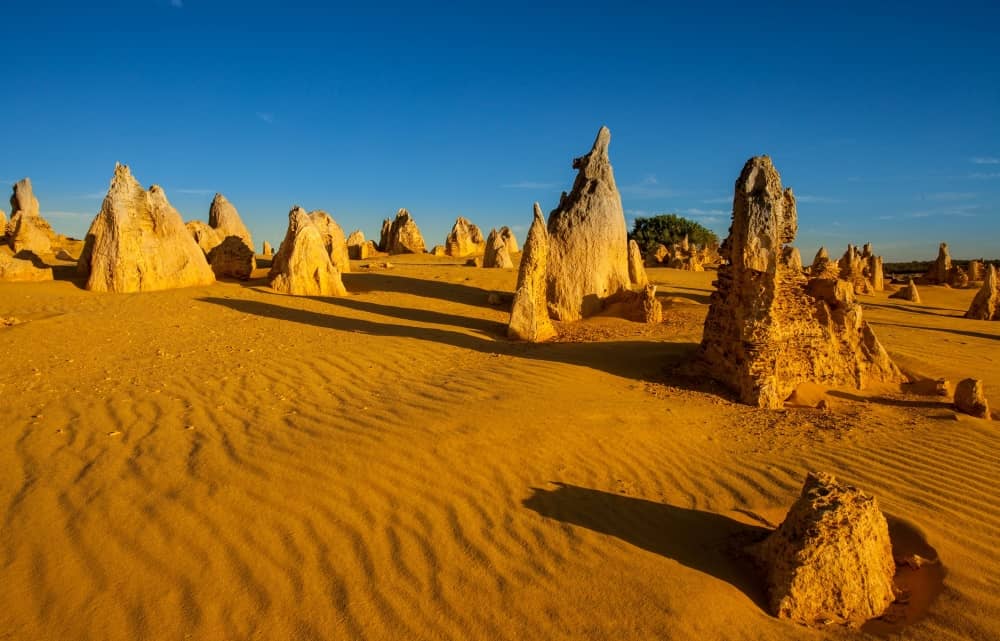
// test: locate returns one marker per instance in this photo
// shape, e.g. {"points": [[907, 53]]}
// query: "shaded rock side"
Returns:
{"points": [[333, 239], [24, 267], [907, 292], [139, 243], [588, 240], [27, 230], [266, 250], [986, 303], [497, 252], [226, 241], [768, 327], [639, 307], [636, 268], [402, 236], [529, 315], [830, 561], [464, 239], [302, 265], [970, 398]]}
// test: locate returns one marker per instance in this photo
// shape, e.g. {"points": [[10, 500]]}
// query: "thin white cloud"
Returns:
{"points": [[696, 212], [527, 184], [721, 200], [986, 160], [991, 174], [76, 215], [807, 198], [648, 187], [266, 116], [948, 196]]}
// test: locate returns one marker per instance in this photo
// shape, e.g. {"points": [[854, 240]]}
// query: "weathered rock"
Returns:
{"points": [[958, 278], [971, 399], [333, 239], [355, 243], [529, 315], [658, 255], [830, 561], [875, 273], [938, 273], [497, 254], [232, 254], [223, 217], [3, 227], [907, 292], [509, 240], [636, 270], [588, 241], [383, 241], [206, 237], [302, 265], [464, 239], [640, 307], [852, 269], [977, 271], [476, 261], [767, 330], [139, 243], [266, 250], [986, 303], [27, 230], [402, 236], [24, 267], [438, 250], [822, 266]]}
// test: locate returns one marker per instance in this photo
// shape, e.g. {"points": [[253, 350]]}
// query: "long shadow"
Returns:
{"points": [[639, 360], [690, 293], [892, 402], [916, 310], [358, 282], [416, 315], [703, 541], [960, 332]]}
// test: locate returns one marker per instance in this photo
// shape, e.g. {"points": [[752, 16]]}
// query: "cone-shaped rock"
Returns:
{"points": [[139, 243], [302, 265], [333, 239], [497, 253], [588, 240], [830, 561], [266, 250], [907, 292], [225, 240], [27, 230], [464, 239], [938, 273], [636, 269], [529, 315], [986, 304], [769, 329], [401, 235], [977, 270]]}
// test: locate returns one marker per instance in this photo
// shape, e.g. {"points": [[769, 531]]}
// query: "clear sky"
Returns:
{"points": [[884, 119]]}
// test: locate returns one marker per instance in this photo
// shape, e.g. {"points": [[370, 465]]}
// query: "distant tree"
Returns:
{"points": [[668, 229]]}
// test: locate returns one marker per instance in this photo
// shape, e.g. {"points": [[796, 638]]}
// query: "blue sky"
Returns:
{"points": [[883, 120]]}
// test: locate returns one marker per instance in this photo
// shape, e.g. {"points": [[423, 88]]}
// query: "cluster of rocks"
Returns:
{"points": [[464, 239], [401, 235], [943, 272], [907, 292], [769, 326], [225, 240], [309, 259], [682, 255], [26, 238], [500, 248]]}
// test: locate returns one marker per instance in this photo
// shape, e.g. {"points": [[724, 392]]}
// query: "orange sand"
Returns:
{"points": [[229, 463]]}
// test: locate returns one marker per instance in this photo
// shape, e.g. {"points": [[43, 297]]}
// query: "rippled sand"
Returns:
{"points": [[229, 463]]}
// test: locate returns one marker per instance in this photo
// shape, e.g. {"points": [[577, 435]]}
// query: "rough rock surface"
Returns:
{"points": [[497, 253], [977, 271], [464, 239], [636, 270], [401, 235], [986, 304], [938, 273], [588, 240], [3, 226], [875, 273], [970, 398], [529, 315], [852, 269], [768, 328], [27, 230], [508, 238], [830, 561], [302, 265], [233, 254], [139, 243], [25, 267], [958, 278], [266, 250], [438, 250], [640, 307], [823, 267], [659, 254], [907, 292], [333, 239], [685, 256]]}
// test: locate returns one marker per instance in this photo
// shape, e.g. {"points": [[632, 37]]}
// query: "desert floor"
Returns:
{"points": [[229, 463]]}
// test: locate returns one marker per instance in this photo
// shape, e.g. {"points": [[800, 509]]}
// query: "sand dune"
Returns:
{"points": [[228, 463]]}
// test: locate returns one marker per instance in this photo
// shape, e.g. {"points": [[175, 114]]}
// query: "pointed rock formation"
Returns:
{"points": [[977, 271], [27, 230], [957, 278], [852, 269], [636, 270], [401, 236], [529, 315], [333, 239], [971, 399], [509, 240], [588, 240], [875, 273], [302, 265], [25, 267], [355, 243], [986, 304], [907, 292], [769, 329], [138, 242], [497, 253], [266, 250], [830, 561], [938, 273], [464, 239], [232, 254]]}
